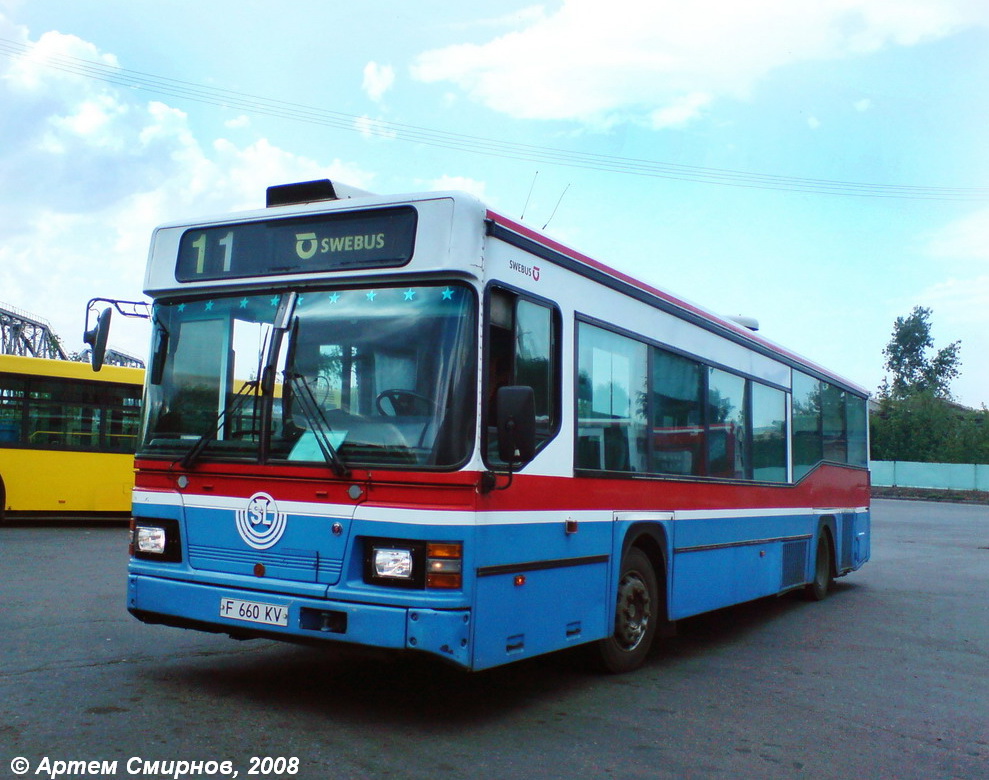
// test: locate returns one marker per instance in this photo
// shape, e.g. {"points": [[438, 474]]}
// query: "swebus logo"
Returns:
{"points": [[261, 525], [308, 244], [532, 271]]}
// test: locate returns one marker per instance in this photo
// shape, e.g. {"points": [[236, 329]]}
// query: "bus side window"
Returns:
{"points": [[534, 360], [611, 401], [522, 341]]}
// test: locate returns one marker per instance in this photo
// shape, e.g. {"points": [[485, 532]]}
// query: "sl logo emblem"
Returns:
{"points": [[261, 525]]}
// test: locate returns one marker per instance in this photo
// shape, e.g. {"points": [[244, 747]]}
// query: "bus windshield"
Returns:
{"points": [[370, 376]]}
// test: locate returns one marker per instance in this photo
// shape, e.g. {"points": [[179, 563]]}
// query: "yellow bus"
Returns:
{"points": [[67, 438]]}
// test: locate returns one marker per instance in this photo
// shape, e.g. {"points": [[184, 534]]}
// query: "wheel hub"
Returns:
{"points": [[634, 611]]}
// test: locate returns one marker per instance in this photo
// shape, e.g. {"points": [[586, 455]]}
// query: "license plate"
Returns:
{"points": [[254, 612]]}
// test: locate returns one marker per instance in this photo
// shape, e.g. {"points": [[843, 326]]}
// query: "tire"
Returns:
{"points": [[817, 589], [637, 614]]}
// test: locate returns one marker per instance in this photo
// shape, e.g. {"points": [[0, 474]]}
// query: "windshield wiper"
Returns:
{"points": [[320, 428], [205, 439]]}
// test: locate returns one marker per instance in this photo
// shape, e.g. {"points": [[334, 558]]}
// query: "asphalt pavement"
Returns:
{"points": [[887, 678]]}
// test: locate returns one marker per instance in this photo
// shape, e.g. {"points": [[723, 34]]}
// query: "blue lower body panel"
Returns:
{"points": [[207, 607], [719, 562]]}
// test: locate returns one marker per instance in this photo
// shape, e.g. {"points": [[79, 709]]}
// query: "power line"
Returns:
{"points": [[259, 105]]}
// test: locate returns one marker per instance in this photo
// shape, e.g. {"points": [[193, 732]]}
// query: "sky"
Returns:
{"points": [[820, 165]]}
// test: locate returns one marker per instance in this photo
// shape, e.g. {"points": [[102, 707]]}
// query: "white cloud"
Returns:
{"points": [[378, 79], [514, 19], [681, 111], [244, 173], [599, 62], [33, 72], [94, 121], [863, 105], [373, 128], [238, 122]]}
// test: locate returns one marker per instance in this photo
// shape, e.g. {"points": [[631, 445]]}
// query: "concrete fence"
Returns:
{"points": [[945, 476]]}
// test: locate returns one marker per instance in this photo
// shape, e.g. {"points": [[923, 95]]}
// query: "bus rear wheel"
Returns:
{"points": [[817, 589], [636, 616]]}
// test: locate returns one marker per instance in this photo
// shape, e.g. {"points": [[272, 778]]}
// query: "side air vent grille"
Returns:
{"points": [[794, 562], [847, 537]]}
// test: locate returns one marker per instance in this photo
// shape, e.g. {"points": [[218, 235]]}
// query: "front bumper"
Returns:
{"points": [[445, 633]]}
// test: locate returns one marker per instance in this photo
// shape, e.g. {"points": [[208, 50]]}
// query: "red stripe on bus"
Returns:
{"points": [[828, 486]]}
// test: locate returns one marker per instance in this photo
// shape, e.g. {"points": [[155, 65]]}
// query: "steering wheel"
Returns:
{"points": [[404, 403]]}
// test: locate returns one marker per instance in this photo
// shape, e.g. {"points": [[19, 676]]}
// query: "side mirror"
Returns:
{"points": [[516, 424], [96, 338]]}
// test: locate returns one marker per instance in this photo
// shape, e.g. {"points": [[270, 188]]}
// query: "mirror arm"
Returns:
{"points": [[489, 479]]}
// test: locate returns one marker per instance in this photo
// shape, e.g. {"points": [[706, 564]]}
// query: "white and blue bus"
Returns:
{"points": [[408, 422]]}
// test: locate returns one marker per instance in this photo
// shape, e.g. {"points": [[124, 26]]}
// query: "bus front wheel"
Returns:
{"points": [[637, 614]]}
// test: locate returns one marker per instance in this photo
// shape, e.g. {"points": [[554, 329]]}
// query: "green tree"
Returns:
{"points": [[925, 429], [919, 428], [916, 419], [908, 358]]}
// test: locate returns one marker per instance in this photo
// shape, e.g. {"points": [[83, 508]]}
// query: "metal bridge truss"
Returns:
{"points": [[22, 334], [113, 357]]}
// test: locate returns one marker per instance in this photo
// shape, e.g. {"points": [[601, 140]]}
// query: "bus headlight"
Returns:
{"points": [[149, 539], [393, 563], [155, 540], [397, 563]]}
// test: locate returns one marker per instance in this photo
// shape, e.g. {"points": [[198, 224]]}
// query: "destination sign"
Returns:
{"points": [[379, 238]]}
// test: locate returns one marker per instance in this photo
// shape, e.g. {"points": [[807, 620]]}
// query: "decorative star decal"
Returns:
{"points": [[334, 297], [409, 294], [371, 295], [447, 294]]}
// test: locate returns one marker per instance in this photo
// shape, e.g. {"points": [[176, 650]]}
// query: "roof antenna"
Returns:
{"points": [[557, 205], [531, 186]]}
